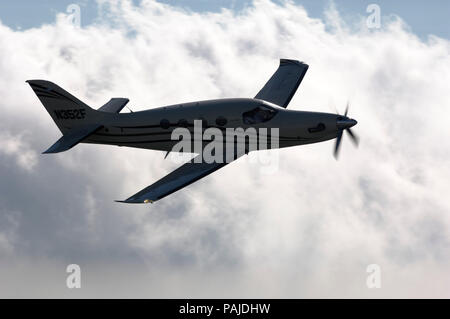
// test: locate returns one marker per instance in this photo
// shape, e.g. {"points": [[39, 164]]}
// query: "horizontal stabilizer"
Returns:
{"points": [[72, 138], [115, 105]]}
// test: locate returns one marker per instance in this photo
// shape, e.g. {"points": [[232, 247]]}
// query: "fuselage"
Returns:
{"points": [[152, 129]]}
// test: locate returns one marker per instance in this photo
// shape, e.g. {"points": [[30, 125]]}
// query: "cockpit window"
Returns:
{"points": [[259, 115]]}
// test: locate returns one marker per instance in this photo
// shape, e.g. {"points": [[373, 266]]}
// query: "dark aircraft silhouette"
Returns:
{"points": [[152, 129]]}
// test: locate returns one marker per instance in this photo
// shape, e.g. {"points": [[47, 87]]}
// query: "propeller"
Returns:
{"points": [[344, 124]]}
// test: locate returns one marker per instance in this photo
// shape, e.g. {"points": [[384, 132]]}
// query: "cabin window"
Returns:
{"points": [[318, 128], [183, 123], [221, 121], [259, 115], [165, 124]]}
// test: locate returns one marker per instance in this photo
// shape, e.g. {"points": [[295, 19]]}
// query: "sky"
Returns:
{"points": [[309, 229], [424, 18]]}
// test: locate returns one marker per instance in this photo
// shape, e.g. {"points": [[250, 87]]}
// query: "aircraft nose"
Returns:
{"points": [[345, 122]]}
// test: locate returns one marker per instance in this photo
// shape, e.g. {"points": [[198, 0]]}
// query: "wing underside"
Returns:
{"points": [[283, 84], [183, 176]]}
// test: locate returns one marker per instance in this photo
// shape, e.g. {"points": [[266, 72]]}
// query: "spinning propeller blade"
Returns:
{"points": [[345, 123]]}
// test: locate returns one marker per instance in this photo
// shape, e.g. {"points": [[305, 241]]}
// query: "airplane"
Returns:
{"points": [[152, 129]]}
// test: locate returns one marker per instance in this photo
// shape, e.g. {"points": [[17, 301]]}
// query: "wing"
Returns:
{"points": [[179, 178], [284, 82]]}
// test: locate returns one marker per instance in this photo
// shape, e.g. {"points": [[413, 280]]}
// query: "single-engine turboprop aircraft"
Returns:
{"points": [[152, 129]]}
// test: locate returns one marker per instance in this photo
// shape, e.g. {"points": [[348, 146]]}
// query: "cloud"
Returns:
{"points": [[310, 230], [13, 146]]}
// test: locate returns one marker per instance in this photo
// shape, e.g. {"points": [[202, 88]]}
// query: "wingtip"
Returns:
{"points": [[292, 61], [128, 201]]}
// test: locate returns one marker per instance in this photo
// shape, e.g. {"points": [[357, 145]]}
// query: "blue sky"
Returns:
{"points": [[424, 17]]}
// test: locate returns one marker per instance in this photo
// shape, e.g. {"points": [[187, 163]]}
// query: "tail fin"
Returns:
{"points": [[66, 110], [74, 119]]}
